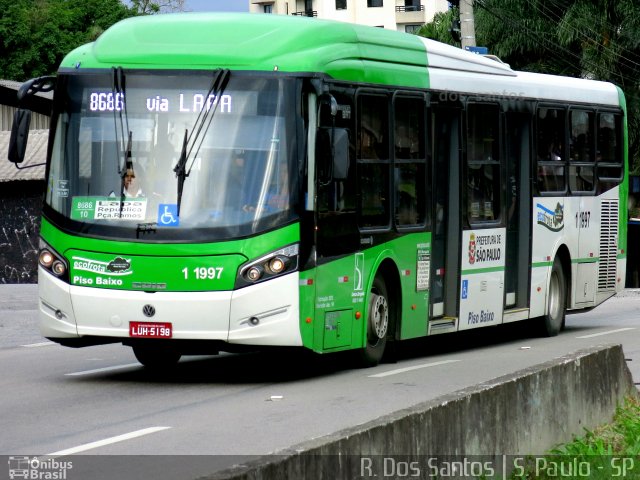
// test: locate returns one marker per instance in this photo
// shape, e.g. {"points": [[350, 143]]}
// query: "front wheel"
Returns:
{"points": [[553, 321], [156, 357], [378, 322]]}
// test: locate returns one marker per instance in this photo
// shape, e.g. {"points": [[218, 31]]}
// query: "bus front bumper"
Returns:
{"points": [[266, 314]]}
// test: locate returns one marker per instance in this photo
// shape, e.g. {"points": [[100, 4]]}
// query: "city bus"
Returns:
{"points": [[220, 182]]}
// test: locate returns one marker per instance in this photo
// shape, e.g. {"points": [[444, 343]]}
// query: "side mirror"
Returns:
{"points": [[19, 135], [332, 153], [22, 117], [36, 85]]}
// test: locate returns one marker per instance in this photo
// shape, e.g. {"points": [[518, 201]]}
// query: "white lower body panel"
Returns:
{"points": [[71, 311]]}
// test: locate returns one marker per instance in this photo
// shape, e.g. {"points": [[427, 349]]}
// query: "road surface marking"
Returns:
{"points": [[607, 333], [101, 370], [106, 441], [41, 344], [408, 369]]}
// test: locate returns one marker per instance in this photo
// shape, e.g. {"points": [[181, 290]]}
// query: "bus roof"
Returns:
{"points": [[345, 51], [266, 42]]}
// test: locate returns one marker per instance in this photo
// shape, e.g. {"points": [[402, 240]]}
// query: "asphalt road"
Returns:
{"points": [[100, 401]]}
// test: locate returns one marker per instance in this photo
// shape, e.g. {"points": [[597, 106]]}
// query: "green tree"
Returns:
{"points": [[36, 34], [523, 33], [597, 39], [440, 28], [146, 7], [609, 37]]}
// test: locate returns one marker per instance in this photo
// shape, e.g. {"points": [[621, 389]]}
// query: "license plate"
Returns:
{"points": [[150, 330]]}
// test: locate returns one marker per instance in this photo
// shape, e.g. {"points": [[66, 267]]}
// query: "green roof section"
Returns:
{"points": [[243, 41]]}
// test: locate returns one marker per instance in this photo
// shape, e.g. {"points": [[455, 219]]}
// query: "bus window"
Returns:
{"points": [[373, 161], [550, 150], [410, 161], [337, 232], [581, 168], [609, 151], [581, 145], [483, 163]]}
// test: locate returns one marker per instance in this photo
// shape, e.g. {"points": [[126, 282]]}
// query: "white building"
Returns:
{"points": [[403, 15]]}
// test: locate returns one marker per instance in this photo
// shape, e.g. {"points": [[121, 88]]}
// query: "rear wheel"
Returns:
{"points": [[553, 321], [156, 357], [378, 322]]}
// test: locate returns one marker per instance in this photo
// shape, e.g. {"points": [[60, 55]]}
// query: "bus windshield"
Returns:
{"points": [[113, 164]]}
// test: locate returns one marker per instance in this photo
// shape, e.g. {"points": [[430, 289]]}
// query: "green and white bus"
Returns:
{"points": [[308, 183]]}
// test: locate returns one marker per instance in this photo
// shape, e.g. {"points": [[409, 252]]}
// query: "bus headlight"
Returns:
{"points": [[52, 261], [278, 264], [254, 273], [58, 268], [269, 266], [46, 258]]}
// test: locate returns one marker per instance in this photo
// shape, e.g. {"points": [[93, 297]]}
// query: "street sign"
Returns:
{"points": [[478, 50]]}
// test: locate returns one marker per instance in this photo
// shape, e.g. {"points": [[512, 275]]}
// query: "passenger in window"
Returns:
{"points": [[555, 151]]}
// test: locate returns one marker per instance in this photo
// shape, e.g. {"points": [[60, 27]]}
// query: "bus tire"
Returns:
{"points": [[378, 324], [553, 320], [156, 357]]}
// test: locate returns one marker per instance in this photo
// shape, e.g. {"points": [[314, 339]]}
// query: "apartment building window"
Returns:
{"points": [[268, 8], [341, 4], [412, 28], [412, 5], [374, 3]]}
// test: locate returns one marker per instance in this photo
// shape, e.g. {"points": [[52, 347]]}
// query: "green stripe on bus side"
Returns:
{"points": [[541, 264], [482, 270]]}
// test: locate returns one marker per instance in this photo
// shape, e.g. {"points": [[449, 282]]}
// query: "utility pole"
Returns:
{"points": [[467, 24]]}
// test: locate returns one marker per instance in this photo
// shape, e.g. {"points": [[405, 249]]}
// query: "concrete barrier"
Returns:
{"points": [[524, 413]]}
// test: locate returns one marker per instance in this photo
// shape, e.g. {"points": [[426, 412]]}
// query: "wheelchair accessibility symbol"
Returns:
{"points": [[168, 215], [465, 289]]}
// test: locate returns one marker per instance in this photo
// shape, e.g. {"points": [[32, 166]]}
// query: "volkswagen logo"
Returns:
{"points": [[149, 310]]}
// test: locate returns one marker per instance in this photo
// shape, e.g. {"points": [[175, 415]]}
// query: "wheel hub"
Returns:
{"points": [[379, 315]]}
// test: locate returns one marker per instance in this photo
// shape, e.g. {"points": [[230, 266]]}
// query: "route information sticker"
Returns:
{"points": [[108, 208]]}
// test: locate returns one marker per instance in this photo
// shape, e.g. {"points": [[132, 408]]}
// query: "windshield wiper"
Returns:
{"points": [[218, 85], [128, 166], [118, 91], [181, 169]]}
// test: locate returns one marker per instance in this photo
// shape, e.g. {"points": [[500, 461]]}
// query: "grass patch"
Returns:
{"points": [[608, 452]]}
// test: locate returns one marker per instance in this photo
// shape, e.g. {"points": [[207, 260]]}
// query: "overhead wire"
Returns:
{"points": [[533, 33], [546, 41], [556, 18]]}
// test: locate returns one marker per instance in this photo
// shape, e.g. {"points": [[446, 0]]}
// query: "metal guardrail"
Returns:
{"points": [[409, 8], [306, 13]]}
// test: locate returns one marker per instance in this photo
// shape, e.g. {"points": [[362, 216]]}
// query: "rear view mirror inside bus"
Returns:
{"points": [[332, 153]]}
